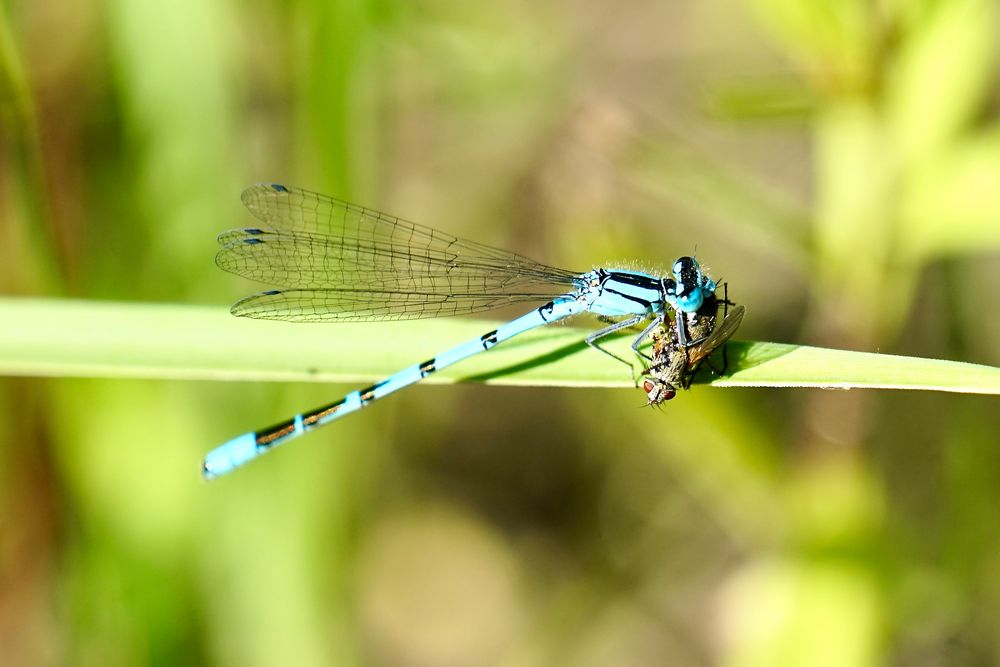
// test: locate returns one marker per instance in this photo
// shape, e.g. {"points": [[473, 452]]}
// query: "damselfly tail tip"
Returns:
{"points": [[229, 456]]}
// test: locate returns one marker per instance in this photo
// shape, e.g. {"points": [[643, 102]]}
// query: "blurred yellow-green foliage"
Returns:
{"points": [[836, 161]]}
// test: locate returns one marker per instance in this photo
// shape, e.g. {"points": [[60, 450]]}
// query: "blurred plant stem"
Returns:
{"points": [[30, 266]]}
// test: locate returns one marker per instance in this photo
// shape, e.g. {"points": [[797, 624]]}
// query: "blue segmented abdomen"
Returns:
{"points": [[246, 447]]}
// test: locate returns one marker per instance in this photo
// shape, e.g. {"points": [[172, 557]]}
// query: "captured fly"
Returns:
{"points": [[675, 365]]}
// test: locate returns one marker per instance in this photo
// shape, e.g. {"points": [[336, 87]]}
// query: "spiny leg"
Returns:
{"points": [[682, 339], [592, 339], [725, 363], [644, 335], [725, 313]]}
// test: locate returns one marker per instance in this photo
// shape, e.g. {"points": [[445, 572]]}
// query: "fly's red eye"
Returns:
{"points": [[648, 386], [667, 395]]}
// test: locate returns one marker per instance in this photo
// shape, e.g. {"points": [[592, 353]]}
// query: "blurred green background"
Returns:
{"points": [[837, 161]]}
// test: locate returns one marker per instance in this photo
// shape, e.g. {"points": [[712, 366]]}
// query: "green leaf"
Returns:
{"points": [[64, 338]]}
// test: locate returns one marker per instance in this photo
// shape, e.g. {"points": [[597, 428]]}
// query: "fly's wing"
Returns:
{"points": [[342, 262], [718, 337]]}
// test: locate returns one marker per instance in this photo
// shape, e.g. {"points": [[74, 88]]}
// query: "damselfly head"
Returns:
{"points": [[690, 286]]}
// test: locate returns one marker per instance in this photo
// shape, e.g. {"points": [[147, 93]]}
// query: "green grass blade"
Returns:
{"points": [[63, 338], [781, 365]]}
